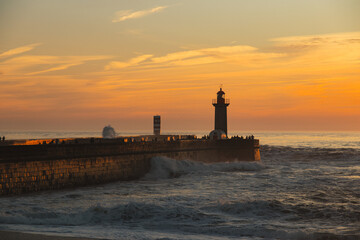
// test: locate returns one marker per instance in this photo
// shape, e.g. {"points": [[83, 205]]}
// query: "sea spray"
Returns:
{"points": [[164, 167]]}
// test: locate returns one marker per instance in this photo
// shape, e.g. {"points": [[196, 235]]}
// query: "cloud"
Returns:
{"points": [[241, 54], [19, 50], [296, 53], [128, 14], [177, 56], [315, 40], [326, 49], [132, 62], [206, 55], [215, 52], [25, 65], [60, 67]]}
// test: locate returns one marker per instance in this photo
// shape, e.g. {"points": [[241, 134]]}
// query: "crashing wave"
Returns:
{"points": [[164, 167]]}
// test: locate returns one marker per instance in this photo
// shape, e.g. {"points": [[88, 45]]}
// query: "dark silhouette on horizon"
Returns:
{"points": [[221, 105]]}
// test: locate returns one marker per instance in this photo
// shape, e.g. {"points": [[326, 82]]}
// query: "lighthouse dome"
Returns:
{"points": [[217, 134], [108, 132]]}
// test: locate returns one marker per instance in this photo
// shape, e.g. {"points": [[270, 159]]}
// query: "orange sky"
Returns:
{"points": [[305, 80]]}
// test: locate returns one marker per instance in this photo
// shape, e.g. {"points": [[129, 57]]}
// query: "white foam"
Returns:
{"points": [[163, 167]]}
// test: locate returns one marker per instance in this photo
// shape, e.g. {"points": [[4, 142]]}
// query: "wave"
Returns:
{"points": [[164, 168], [252, 218], [132, 211], [290, 211]]}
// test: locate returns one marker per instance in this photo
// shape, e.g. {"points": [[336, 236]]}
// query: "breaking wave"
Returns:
{"points": [[163, 167], [174, 217]]}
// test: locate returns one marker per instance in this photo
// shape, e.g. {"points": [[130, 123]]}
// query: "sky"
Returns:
{"points": [[285, 65]]}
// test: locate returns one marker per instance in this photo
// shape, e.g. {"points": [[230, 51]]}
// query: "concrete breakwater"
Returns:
{"points": [[30, 168]]}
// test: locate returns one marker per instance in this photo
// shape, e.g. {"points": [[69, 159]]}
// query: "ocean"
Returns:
{"points": [[307, 186]]}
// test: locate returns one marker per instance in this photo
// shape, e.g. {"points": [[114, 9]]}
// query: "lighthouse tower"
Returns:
{"points": [[221, 104]]}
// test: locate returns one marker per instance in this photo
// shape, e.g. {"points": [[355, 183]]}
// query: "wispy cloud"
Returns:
{"points": [[132, 62], [241, 54], [206, 55], [315, 40], [298, 51], [129, 14], [318, 50], [24, 65], [59, 67], [18, 50]]}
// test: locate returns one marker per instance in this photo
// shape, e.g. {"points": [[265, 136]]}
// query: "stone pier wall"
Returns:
{"points": [[31, 168], [32, 176]]}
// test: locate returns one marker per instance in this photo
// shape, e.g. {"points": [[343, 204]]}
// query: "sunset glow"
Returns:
{"points": [[122, 63]]}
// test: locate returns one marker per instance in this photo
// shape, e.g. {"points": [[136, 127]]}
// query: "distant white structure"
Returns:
{"points": [[108, 132], [217, 134]]}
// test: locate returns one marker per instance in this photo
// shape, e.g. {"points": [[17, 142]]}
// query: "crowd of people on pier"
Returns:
{"points": [[250, 137]]}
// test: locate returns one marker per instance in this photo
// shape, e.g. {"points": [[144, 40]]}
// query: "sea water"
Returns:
{"points": [[307, 186]]}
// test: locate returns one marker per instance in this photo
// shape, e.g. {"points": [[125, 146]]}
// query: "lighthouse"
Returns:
{"points": [[221, 104]]}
